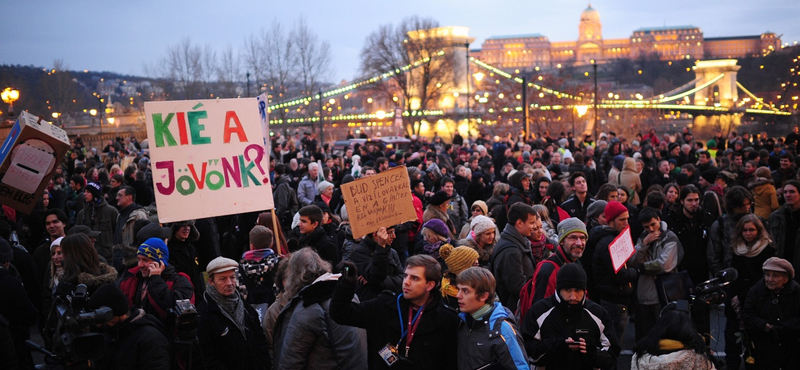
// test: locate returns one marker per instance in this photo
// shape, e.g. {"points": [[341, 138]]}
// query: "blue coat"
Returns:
{"points": [[492, 339]]}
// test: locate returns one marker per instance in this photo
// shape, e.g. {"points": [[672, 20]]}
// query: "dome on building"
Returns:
{"points": [[590, 14]]}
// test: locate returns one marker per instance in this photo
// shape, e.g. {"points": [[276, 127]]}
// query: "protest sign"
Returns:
{"points": [[28, 158], [208, 158], [621, 249], [377, 201]]}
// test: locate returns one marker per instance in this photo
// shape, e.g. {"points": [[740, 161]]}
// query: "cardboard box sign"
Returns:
{"points": [[28, 159], [379, 201]]}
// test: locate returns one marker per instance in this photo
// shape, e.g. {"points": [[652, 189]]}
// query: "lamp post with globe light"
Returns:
{"points": [[9, 96]]}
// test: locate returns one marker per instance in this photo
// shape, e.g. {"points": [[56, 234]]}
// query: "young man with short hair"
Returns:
{"points": [[577, 205], [481, 320], [314, 236], [411, 330], [512, 262]]}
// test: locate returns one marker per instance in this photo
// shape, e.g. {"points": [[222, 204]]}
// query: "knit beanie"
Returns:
{"points": [[458, 259], [155, 249], [413, 172], [6, 254], [614, 209], [710, 175], [438, 198], [481, 224], [569, 226], [108, 295], [595, 209], [438, 226], [56, 243], [571, 275], [322, 186], [95, 190], [482, 205]]}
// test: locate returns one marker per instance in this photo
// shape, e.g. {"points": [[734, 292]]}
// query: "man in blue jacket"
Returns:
{"points": [[487, 334]]}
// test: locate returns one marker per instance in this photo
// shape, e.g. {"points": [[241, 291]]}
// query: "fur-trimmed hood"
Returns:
{"points": [[193, 233], [758, 181], [107, 275]]}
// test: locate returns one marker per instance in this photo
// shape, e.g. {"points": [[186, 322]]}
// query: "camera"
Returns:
{"points": [[70, 328], [711, 292], [185, 320]]}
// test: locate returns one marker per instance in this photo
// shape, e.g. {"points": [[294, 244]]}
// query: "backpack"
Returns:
{"points": [[527, 292]]}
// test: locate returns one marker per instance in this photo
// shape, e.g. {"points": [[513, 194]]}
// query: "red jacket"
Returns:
{"points": [[162, 290]]}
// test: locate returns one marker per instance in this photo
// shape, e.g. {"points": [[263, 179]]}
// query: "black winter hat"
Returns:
{"points": [[439, 198], [108, 295], [6, 253], [571, 275]]}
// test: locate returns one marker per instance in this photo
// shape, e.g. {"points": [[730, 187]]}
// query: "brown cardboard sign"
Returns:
{"points": [[28, 159], [379, 201]]}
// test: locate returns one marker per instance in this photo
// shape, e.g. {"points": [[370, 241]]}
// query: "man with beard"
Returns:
{"points": [[691, 224], [572, 238], [567, 331]]}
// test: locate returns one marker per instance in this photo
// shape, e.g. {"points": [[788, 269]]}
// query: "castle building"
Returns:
{"points": [[526, 52]]}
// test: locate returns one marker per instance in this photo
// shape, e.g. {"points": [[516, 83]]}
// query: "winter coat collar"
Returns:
{"points": [[107, 275], [511, 233]]}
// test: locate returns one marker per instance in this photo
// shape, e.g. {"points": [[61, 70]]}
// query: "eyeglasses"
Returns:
{"points": [[750, 230], [574, 238]]}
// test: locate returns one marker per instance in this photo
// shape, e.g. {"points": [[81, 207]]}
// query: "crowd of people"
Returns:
{"points": [[506, 266]]}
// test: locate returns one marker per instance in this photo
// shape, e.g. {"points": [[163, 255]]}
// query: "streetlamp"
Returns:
{"points": [[581, 109], [596, 128], [466, 45], [9, 96]]}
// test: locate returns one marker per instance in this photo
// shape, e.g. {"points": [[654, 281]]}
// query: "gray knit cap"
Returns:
{"points": [[596, 209], [570, 226]]}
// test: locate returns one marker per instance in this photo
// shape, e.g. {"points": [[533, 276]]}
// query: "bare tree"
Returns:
{"points": [[313, 57], [254, 56], [281, 64], [390, 48], [59, 88], [207, 70], [228, 73], [179, 70]]}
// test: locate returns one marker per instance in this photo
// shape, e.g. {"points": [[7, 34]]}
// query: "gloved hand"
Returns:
{"points": [[349, 272]]}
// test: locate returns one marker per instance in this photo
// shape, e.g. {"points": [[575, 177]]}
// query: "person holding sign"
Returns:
{"points": [[658, 251], [612, 290]]}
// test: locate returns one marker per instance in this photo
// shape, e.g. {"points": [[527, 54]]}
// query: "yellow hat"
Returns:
{"points": [[458, 259]]}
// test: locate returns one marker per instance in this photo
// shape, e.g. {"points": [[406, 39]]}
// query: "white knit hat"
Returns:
{"points": [[481, 224]]}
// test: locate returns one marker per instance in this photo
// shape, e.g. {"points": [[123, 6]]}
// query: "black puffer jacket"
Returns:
{"points": [[224, 346], [776, 348], [306, 337], [139, 343], [322, 244]]}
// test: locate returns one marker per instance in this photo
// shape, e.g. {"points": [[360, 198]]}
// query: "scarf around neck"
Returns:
{"points": [[743, 250], [232, 307]]}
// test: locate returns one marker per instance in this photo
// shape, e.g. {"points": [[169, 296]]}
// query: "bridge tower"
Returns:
{"points": [[723, 92]]}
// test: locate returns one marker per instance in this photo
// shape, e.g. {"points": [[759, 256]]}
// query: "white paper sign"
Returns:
{"points": [[621, 249], [208, 158], [30, 162]]}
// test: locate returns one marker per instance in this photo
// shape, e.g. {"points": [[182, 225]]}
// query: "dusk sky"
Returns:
{"points": [[122, 36]]}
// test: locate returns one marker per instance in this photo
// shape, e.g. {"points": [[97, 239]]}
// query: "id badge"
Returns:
{"points": [[389, 354]]}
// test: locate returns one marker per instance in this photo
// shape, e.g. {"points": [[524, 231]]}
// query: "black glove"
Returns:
{"points": [[349, 272]]}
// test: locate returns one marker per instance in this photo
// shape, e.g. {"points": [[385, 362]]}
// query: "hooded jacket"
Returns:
{"points": [[306, 337], [694, 234], [183, 256], [322, 244], [99, 216], [765, 196], [286, 204], [629, 178], [512, 265], [551, 321], [380, 266], [659, 257], [492, 339], [139, 342]]}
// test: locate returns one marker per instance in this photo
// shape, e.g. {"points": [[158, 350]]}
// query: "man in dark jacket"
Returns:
{"points": [[579, 202], [520, 186], [613, 290], [15, 305], [129, 213], [229, 330], [314, 236], [99, 216], [426, 340], [137, 339], [378, 265], [285, 197], [567, 331], [784, 225], [512, 262], [153, 285]]}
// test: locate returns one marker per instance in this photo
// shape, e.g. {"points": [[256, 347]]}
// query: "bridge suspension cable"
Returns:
{"points": [[757, 99], [507, 75]]}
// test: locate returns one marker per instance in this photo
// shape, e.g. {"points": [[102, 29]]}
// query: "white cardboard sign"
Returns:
{"points": [[621, 249]]}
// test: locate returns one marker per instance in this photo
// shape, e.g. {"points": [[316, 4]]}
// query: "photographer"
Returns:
{"points": [[153, 285], [135, 339]]}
